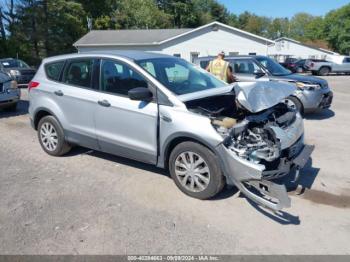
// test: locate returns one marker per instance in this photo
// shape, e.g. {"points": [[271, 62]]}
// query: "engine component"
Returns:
{"points": [[256, 144], [226, 122]]}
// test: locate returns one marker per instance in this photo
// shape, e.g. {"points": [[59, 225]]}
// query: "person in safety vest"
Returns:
{"points": [[221, 68]]}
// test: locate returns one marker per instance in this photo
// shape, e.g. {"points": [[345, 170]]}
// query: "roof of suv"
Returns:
{"points": [[128, 54]]}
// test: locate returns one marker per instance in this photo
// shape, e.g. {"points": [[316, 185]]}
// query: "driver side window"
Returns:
{"points": [[118, 78]]}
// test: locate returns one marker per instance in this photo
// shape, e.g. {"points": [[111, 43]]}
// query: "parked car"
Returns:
{"points": [[17, 69], [341, 64], [295, 65], [312, 93], [165, 111], [9, 93]]}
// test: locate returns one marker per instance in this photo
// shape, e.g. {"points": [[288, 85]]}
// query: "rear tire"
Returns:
{"points": [[195, 170], [51, 137], [324, 71]]}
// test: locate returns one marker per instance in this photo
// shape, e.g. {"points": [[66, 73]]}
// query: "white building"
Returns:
{"points": [[285, 47], [206, 40]]}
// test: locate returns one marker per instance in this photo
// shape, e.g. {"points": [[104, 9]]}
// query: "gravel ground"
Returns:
{"points": [[93, 203]]}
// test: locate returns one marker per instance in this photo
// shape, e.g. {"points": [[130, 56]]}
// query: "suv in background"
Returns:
{"points": [[162, 110], [312, 93], [18, 70]]}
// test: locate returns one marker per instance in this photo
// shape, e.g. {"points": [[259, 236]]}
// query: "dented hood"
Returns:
{"points": [[258, 96]]}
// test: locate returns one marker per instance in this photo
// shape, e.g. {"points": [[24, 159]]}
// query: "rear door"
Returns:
{"points": [[123, 126], [246, 70], [76, 96]]}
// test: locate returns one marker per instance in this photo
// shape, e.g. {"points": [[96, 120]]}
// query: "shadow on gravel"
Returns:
{"points": [[117, 159], [22, 109], [324, 114]]}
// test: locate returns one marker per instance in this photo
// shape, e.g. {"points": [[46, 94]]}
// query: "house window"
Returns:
{"points": [[177, 55], [194, 56], [252, 53]]}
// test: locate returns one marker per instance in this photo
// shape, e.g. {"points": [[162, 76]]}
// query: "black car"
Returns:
{"points": [[296, 66], [18, 70]]}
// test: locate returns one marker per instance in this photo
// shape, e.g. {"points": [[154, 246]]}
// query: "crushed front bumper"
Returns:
{"points": [[255, 182]]}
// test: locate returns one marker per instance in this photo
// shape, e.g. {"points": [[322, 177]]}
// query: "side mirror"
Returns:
{"points": [[259, 73], [140, 94]]}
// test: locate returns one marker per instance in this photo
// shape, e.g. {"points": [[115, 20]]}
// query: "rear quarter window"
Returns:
{"points": [[53, 70]]}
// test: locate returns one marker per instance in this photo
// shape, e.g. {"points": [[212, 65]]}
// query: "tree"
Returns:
{"points": [[337, 29], [138, 14]]}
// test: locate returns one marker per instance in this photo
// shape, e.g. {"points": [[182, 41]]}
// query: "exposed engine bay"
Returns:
{"points": [[262, 138], [247, 134]]}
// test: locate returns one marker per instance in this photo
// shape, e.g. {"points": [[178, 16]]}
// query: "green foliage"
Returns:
{"points": [[337, 29]]}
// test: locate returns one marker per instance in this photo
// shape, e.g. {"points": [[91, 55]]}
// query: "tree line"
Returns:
{"points": [[33, 29]]}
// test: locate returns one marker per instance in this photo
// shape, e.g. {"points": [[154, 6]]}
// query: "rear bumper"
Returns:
{"points": [[9, 97], [255, 182]]}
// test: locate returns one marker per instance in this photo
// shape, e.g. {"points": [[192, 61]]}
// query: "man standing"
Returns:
{"points": [[221, 68]]}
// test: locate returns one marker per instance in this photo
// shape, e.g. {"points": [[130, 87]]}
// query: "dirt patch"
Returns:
{"points": [[325, 198]]}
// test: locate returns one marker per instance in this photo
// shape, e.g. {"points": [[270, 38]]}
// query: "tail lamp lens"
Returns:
{"points": [[32, 84]]}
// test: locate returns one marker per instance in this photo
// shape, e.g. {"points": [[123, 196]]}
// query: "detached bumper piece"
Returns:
{"points": [[254, 182], [326, 100]]}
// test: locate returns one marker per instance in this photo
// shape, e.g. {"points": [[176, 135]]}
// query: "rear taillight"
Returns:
{"points": [[32, 84]]}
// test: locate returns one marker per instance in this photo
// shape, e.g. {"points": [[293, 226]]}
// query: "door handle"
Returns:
{"points": [[58, 93], [104, 103]]}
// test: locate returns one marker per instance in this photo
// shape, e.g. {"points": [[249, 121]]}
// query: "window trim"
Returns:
{"points": [[68, 62], [150, 85], [60, 74]]}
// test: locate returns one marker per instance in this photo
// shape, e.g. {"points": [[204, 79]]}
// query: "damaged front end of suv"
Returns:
{"points": [[262, 139]]}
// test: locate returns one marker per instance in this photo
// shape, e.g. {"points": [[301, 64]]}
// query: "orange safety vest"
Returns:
{"points": [[219, 69]]}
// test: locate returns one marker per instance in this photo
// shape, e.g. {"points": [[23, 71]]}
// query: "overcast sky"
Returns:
{"points": [[283, 8]]}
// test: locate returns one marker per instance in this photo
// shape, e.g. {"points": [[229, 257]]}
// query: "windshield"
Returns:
{"points": [[179, 76], [273, 67], [12, 63]]}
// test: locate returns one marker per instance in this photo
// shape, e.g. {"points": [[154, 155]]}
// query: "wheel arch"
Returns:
{"points": [[40, 113], [176, 139]]}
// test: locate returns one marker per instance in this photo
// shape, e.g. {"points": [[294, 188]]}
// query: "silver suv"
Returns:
{"points": [[165, 111]]}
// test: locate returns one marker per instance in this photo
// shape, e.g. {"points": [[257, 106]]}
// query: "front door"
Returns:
{"points": [[123, 126]]}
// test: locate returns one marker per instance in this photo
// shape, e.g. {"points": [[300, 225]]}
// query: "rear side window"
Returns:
{"points": [[53, 70], [244, 66], [79, 73]]}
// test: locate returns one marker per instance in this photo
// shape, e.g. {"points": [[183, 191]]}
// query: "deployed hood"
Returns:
{"points": [[258, 96]]}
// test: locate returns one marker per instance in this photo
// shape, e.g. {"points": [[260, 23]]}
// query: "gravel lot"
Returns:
{"points": [[93, 203]]}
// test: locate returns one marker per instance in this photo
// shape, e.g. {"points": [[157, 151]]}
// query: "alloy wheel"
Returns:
{"points": [[48, 136], [192, 171]]}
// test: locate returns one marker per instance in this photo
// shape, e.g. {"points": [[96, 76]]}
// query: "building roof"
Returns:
{"points": [[302, 44], [150, 36]]}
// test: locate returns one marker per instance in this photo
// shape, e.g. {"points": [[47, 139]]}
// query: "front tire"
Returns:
{"points": [[195, 170], [296, 103], [51, 137]]}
